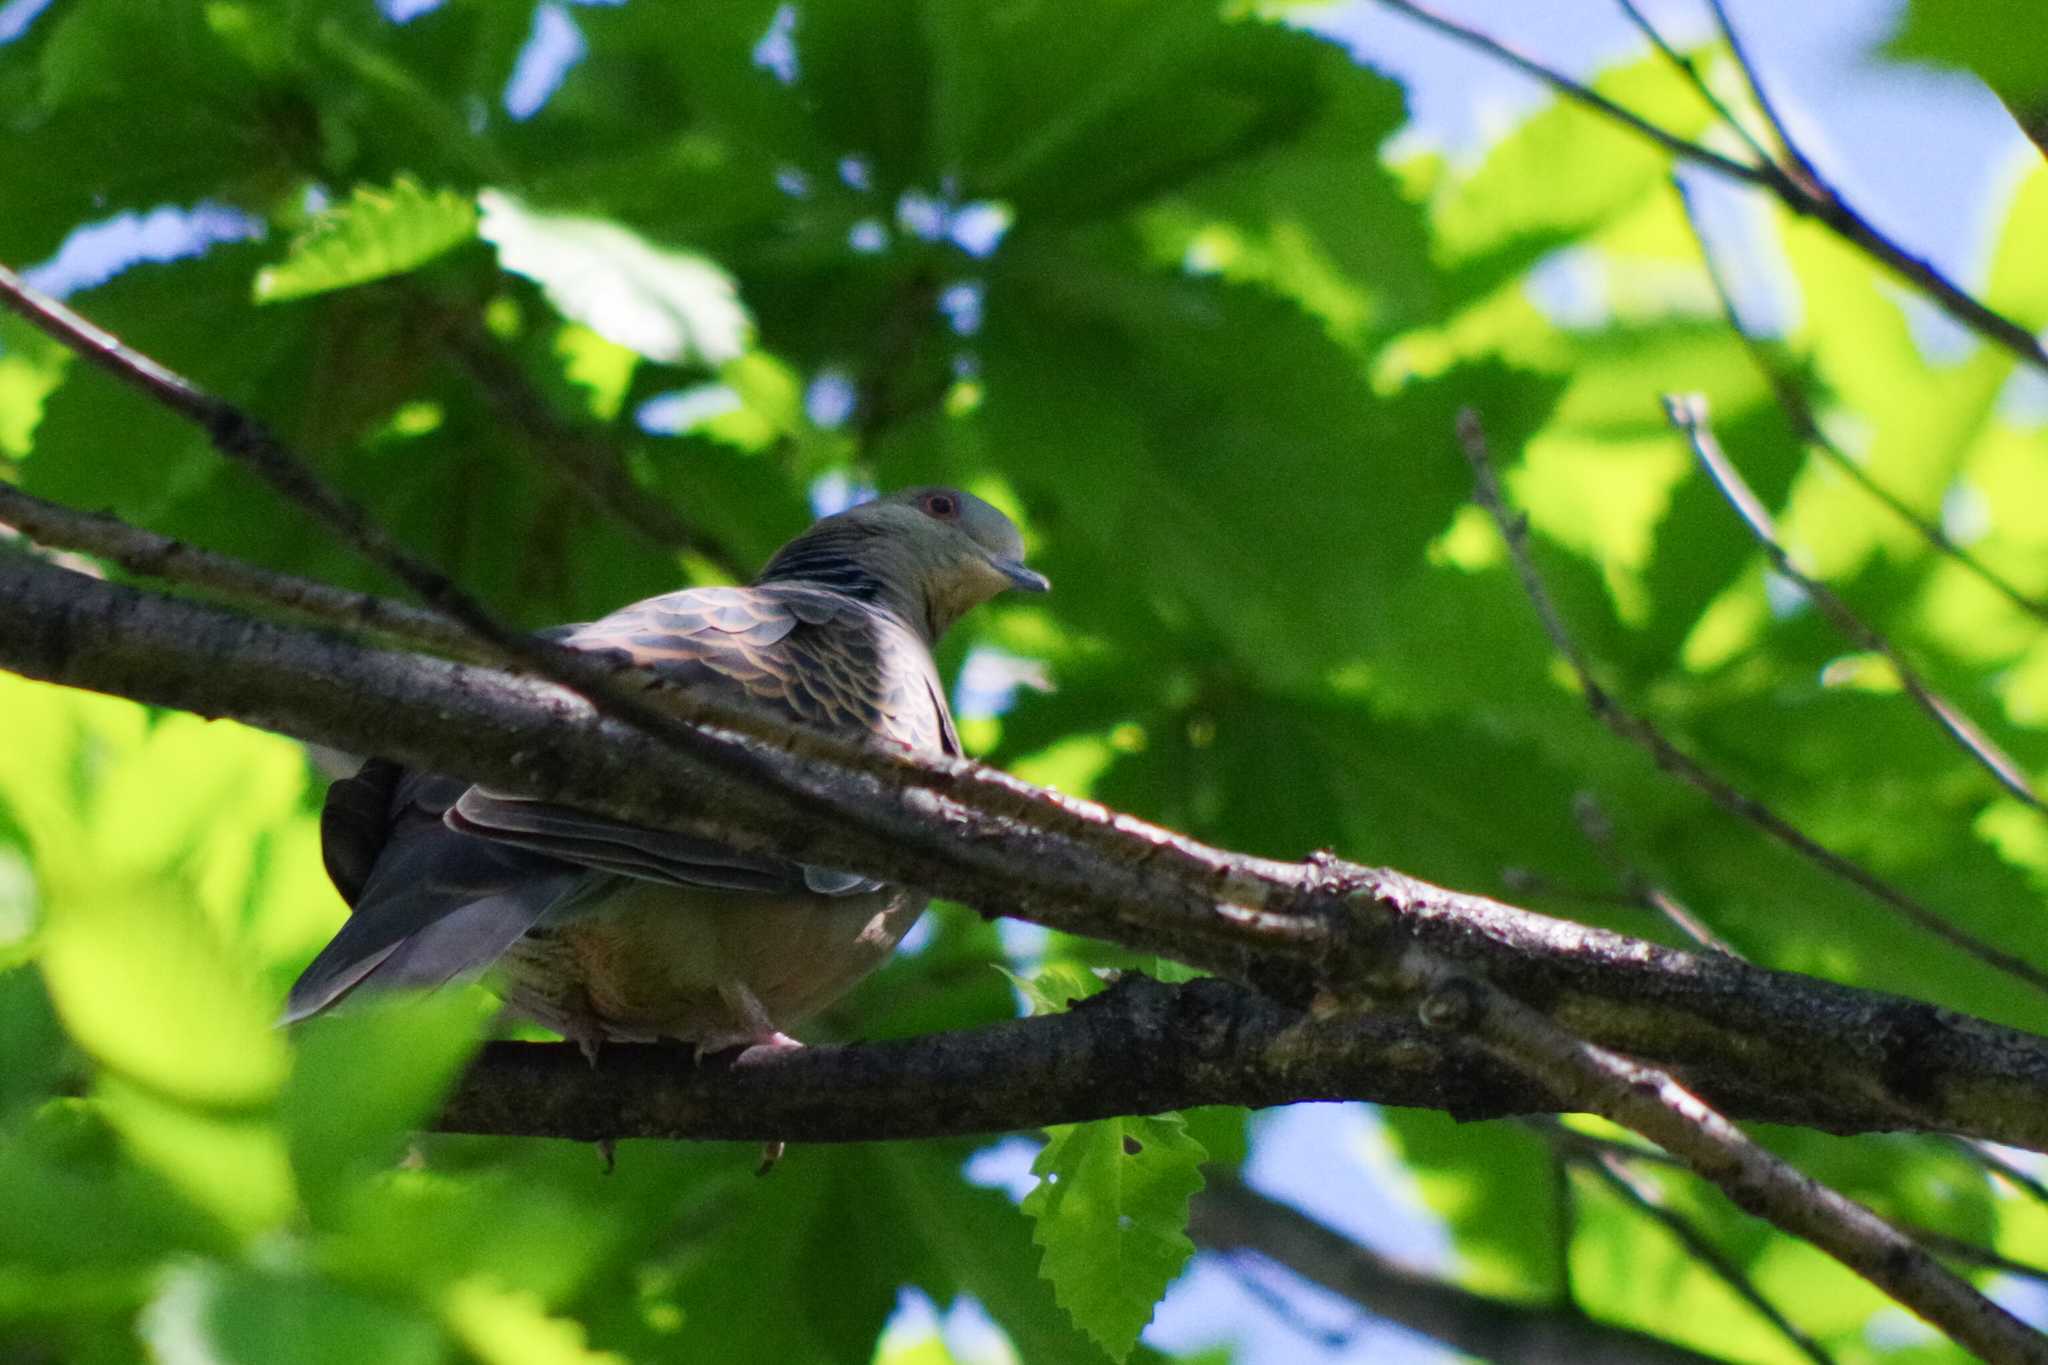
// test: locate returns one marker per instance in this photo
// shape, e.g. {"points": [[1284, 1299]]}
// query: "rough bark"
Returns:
{"points": [[1757, 1043]]}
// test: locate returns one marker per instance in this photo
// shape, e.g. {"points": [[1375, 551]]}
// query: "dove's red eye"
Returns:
{"points": [[941, 505]]}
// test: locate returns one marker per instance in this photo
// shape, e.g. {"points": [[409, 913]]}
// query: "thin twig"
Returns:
{"points": [[1612, 1171], [1808, 429], [1624, 723], [147, 553], [1800, 166], [1946, 1243], [1690, 70], [1688, 413], [1657, 1107], [1582, 94], [2019, 1179], [1811, 200], [1599, 831]]}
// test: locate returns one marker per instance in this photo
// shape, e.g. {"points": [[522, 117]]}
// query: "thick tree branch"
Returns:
{"points": [[1653, 1103], [1762, 1044], [151, 555], [1350, 934], [1227, 1216]]}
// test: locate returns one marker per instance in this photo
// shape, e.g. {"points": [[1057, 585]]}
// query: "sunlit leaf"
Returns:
{"points": [[149, 990], [501, 1328], [31, 368], [373, 234], [1111, 1211], [664, 304]]}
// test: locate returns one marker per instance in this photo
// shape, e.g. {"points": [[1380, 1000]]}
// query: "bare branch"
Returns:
{"points": [[1801, 168], [1640, 889], [1810, 198], [1765, 1045], [1945, 1243], [1690, 70], [1807, 428], [1688, 413], [1655, 1105], [154, 556], [1581, 93], [1600, 831], [1229, 1216], [1668, 756]]}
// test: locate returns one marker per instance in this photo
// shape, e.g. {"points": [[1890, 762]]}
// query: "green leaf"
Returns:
{"points": [[2004, 43], [498, 1327], [1493, 1183], [1111, 1209], [367, 1076], [33, 1052], [1076, 112], [78, 1202], [1315, 216], [373, 234], [1562, 173], [148, 989], [31, 367], [235, 1166], [667, 305], [1054, 989], [209, 1314]]}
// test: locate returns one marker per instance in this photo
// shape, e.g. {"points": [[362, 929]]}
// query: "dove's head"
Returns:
{"points": [[929, 554]]}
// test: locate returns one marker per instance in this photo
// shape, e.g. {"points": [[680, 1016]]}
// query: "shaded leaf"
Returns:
{"points": [[212, 1315]]}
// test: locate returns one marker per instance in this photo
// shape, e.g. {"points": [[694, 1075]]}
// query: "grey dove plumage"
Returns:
{"points": [[608, 931]]}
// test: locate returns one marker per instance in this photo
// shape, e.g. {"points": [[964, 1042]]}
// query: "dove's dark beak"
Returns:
{"points": [[1030, 580]]}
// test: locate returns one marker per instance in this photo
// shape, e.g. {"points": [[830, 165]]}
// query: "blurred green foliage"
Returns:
{"points": [[1148, 277]]}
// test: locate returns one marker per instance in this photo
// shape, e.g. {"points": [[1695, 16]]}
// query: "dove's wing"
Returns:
{"points": [[816, 657], [445, 877], [430, 904]]}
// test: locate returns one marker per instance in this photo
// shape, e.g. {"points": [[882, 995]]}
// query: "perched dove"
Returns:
{"points": [[602, 930]]}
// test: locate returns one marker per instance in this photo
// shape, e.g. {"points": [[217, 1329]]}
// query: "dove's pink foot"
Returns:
{"points": [[764, 1049]]}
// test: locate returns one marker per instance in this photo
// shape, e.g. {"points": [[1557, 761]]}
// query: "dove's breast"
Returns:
{"points": [[663, 961]]}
